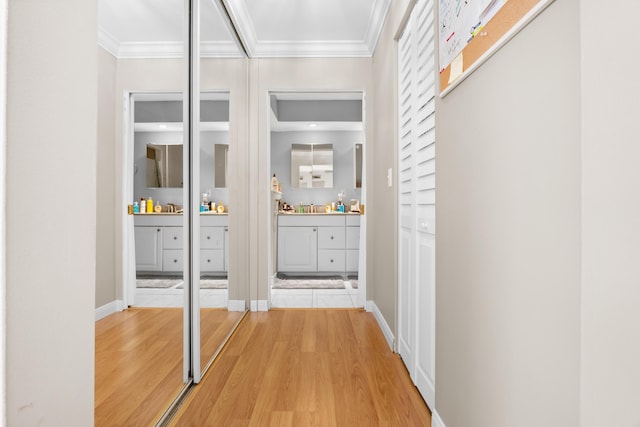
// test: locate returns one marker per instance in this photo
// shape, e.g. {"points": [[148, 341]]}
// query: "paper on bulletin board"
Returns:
{"points": [[460, 22], [497, 22]]}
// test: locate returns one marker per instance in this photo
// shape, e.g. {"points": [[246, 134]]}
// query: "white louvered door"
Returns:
{"points": [[416, 142]]}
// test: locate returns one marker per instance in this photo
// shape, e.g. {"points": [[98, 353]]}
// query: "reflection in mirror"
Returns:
{"points": [[357, 158], [312, 166], [164, 165], [221, 159]]}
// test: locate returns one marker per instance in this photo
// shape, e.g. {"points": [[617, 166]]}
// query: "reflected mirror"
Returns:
{"points": [[221, 160], [312, 165], [357, 167], [164, 165]]}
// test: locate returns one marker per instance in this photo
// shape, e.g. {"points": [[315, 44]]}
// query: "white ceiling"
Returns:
{"points": [[267, 28]]}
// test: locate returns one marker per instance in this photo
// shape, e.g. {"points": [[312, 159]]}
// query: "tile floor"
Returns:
{"points": [[315, 298]]}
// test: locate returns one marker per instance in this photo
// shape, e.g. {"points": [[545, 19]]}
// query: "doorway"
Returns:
{"points": [[316, 151]]}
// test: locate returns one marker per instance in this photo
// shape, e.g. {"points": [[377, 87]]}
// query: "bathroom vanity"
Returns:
{"points": [[318, 243], [159, 243]]}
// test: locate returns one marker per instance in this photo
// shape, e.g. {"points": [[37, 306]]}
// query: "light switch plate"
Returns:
{"points": [[389, 177]]}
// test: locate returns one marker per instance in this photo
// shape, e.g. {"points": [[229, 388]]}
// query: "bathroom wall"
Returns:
{"points": [[343, 165]]}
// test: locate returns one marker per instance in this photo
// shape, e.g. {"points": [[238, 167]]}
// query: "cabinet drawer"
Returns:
{"points": [[352, 260], [331, 237], [211, 260], [353, 237], [330, 260], [172, 238], [212, 237], [172, 260]]}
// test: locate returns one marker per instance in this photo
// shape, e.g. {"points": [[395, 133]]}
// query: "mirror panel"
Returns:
{"points": [[164, 165], [312, 165], [357, 167]]}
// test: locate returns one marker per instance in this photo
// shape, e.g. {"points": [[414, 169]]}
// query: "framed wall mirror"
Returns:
{"points": [[312, 166]]}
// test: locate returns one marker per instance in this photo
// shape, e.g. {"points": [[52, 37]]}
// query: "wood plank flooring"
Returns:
{"points": [[306, 368], [138, 369]]}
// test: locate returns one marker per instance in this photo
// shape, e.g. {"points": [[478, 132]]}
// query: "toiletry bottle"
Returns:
{"points": [[157, 208], [204, 206], [136, 208], [143, 205], [149, 205], [274, 183]]}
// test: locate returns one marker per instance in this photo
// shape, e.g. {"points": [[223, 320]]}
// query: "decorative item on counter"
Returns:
{"points": [[220, 208], [143, 205], [274, 183], [149, 205], [355, 206], [130, 209], [339, 204], [212, 207], [136, 208], [204, 206], [327, 208], [361, 208], [158, 208], [301, 208], [333, 206]]}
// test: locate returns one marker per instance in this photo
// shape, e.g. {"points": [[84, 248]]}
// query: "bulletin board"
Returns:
{"points": [[470, 31]]}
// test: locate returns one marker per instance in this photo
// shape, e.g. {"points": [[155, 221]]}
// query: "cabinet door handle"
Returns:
{"points": [[208, 237], [175, 237], [314, 229], [331, 261], [226, 229], [208, 260], [158, 230], [331, 237], [175, 260]]}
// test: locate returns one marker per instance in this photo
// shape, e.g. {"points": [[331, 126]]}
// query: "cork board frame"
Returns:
{"points": [[512, 17]]}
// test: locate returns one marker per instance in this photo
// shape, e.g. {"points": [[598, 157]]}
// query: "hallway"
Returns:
{"points": [[303, 368]]}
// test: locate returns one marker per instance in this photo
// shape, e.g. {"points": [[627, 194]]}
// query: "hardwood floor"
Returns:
{"points": [[138, 370], [306, 368]]}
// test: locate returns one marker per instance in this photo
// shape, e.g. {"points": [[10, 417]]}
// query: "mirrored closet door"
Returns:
{"points": [[175, 152]]}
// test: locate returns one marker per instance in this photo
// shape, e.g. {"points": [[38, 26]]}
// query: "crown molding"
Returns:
{"points": [[164, 50], [314, 49], [242, 22], [376, 22], [108, 42]]}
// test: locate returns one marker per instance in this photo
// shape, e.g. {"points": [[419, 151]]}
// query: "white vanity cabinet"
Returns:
{"points": [[297, 249], [353, 243], [309, 243], [148, 248], [214, 244], [160, 246]]}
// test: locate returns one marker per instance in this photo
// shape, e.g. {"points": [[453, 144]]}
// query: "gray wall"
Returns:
{"points": [[175, 195], [509, 233], [51, 212], [106, 190], [610, 215], [343, 164]]}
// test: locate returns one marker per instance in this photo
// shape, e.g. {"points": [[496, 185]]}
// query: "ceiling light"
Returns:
{"points": [[162, 126], [312, 125]]}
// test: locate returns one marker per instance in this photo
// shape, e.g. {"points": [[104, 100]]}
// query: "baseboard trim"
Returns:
{"points": [[436, 421], [110, 308], [368, 306], [259, 305], [386, 330]]}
